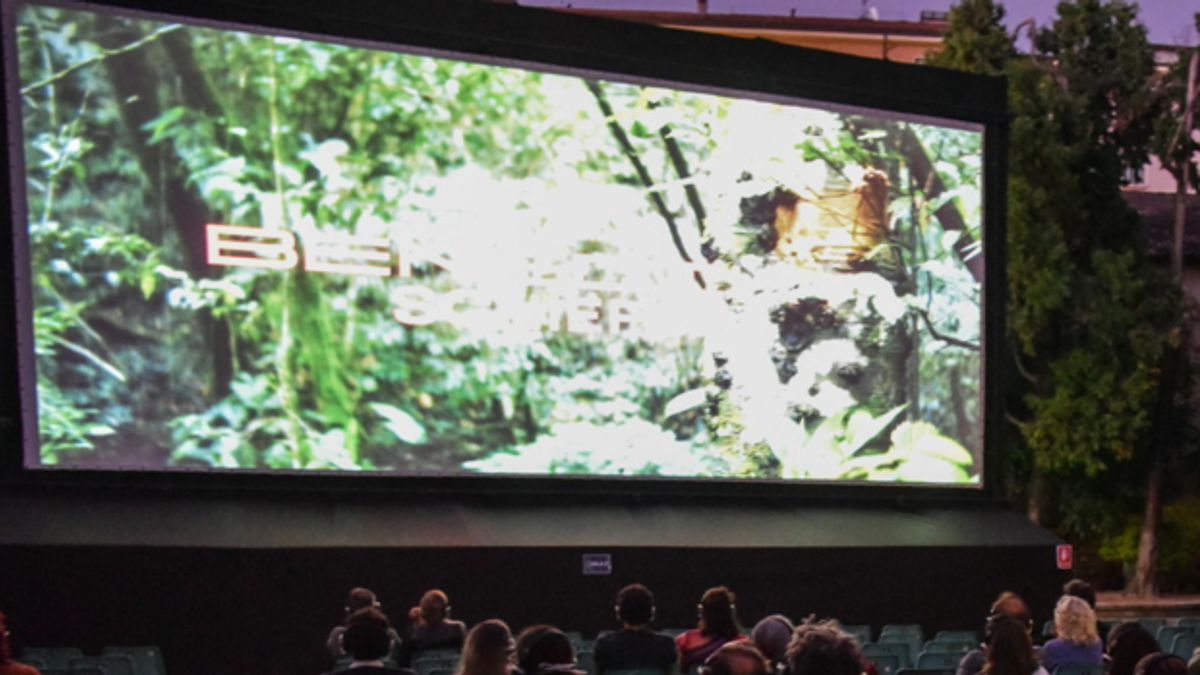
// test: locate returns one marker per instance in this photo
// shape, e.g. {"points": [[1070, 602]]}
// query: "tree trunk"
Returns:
{"points": [[1145, 581]]}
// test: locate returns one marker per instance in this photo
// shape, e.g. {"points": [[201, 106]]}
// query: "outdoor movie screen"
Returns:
{"points": [[259, 252]]}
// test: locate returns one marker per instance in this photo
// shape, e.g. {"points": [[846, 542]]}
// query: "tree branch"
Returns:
{"points": [[643, 174], [107, 53], [948, 339]]}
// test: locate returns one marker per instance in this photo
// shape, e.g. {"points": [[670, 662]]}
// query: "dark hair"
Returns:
{"points": [[731, 658], [366, 635], [771, 636], [543, 645], [433, 606], [1162, 663], [1009, 648], [823, 648], [1128, 642], [635, 605], [718, 616], [1082, 590], [487, 649], [360, 598]]}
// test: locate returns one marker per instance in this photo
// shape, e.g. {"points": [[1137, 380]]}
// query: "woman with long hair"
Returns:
{"points": [[1128, 643], [718, 626], [1076, 641], [1009, 649], [488, 650]]}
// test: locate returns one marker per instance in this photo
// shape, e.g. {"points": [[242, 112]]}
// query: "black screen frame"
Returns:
{"points": [[515, 35]]}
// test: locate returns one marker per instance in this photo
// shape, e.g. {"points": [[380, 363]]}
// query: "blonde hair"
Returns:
{"points": [[1075, 621]]}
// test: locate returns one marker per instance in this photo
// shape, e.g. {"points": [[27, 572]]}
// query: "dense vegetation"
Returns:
{"points": [[561, 275]]}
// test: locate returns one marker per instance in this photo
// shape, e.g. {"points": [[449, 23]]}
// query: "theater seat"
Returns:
{"points": [[147, 659], [931, 661], [55, 658], [113, 664], [1079, 670]]}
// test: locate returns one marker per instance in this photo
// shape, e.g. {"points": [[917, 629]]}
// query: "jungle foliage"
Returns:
{"points": [[807, 281]]}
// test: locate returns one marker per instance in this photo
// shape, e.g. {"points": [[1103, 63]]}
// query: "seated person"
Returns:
{"points": [[1010, 649], [432, 627], [488, 650], [359, 598], [1008, 604], [7, 665], [635, 645], [545, 650], [823, 648], [367, 640], [1162, 663], [771, 636], [1128, 643], [718, 625], [737, 658], [1076, 642]]}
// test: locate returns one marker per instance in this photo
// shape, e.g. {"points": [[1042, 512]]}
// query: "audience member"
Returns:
{"points": [[545, 650], [737, 658], [1128, 643], [718, 626], [1082, 589], [489, 649], [358, 599], [823, 648], [771, 636], [1010, 648], [431, 627], [1194, 664], [7, 665], [635, 645], [367, 639], [1162, 663], [1007, 604], [1076, 642]]}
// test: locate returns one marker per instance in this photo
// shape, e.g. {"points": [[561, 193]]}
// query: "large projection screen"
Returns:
{"points": [[265, 251]]}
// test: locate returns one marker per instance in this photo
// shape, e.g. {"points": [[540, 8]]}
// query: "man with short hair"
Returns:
{"points": [[635, 645], [367, 639]]}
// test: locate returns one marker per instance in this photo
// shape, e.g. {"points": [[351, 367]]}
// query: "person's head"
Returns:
{"points": [[1128, 642], [823, 648], [488, 649], [435, 606], [1012, 605], [1161, 663], [1009, 647], [772, 635], [1081, 589], [1194, 664], [1075, 621], [366, 637], [5, 648], [737, 658], [635, 605], [718, 615], [360, 598], [544, 648]]}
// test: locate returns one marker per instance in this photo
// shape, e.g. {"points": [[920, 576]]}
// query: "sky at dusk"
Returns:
{"points": [[1168, 22]]}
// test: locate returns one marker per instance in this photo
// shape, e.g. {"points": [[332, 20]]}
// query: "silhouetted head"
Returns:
{"points": [[1128, 643], [1011, 604], [366, 637], [360, 598], [544, 648], [718, 614], [772, 635], [434, 607], [823, 648], [1082, 590], [635, 605], [488, 649], [1009, 648], [737, 658], [1162, 663]]}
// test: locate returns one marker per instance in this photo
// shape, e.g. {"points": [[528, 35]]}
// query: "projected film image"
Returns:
{"points": [[256, 252]]}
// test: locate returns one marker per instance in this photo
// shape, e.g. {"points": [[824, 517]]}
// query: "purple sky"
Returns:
{"points": [[1168, 21]]}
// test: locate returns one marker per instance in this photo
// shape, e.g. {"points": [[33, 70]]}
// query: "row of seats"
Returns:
{"points": [[138, 660]]}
